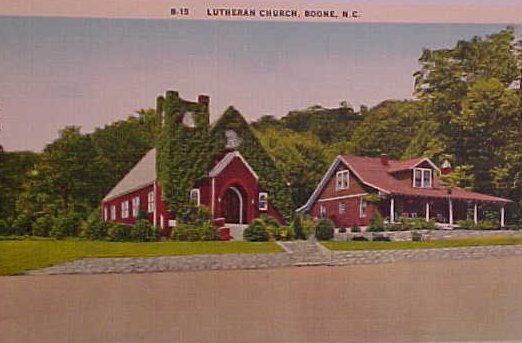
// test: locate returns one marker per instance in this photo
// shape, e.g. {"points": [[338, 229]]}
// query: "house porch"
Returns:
{"points": [[445, 211]]}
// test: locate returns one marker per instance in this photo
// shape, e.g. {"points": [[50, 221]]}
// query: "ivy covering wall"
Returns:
{"points": [[185, 152], [270, 178]]}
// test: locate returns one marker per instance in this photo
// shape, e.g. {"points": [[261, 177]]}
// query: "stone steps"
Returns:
{"points": [[306, 253]]}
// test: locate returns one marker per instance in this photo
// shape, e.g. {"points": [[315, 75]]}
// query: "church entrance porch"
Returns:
{"points": [[234, 205]]}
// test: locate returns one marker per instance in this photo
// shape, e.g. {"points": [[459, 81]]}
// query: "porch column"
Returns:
{"points": [[392, 210], [450, 215], [475, 213], [502, 215], [427, 211], [212, 201], [155, 210]]}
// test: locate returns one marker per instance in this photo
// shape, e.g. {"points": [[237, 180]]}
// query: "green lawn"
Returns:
{"points": [[446, 243], [17, 256]]}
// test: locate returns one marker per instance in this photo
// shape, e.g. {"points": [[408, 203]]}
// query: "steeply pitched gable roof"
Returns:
{"points": [[142, 174], [225, 161]]}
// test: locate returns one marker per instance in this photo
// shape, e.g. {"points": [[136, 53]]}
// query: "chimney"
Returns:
{"points": [[445, 168], [203, 100], [385, 160]]}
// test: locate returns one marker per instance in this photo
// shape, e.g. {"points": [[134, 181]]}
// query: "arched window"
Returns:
{"points": [[233, 139], [188, 119]]}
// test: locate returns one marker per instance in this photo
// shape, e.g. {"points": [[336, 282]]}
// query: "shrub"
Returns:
{"points": [[22, 225], [256, 232], [467, 224], [196, 215], [208, 232], [190, 232], [422, 224], [93, 227], [308, 226], [324, 230], [282, 233], [118, 232], [342, 230], [297, 227], [65, 224], [142, 231], [395, 227], [261, 229], [355, 229], [6, 228], [417, 224], [185, 232], [43, 225], [487, 224], [376, 223]]}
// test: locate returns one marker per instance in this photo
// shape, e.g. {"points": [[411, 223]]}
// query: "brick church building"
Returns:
{"points": [[230, 187]]}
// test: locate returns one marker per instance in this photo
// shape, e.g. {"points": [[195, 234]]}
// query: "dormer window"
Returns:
{"points": [[422, 177], [342, 180]]}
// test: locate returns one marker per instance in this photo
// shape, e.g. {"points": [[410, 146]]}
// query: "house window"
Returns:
{"points": [[195, 197], [125, 209], [422, 177], [105, 213], [135, 206], [113, 212], [322, 211], [342, 180], [150, 202], [362, 208], [342, 208], [263, 201]]}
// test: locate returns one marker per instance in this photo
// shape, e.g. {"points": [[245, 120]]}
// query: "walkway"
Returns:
{"points": [[297, 253]]}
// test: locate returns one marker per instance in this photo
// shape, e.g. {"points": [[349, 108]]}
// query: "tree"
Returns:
{"points": [[446, 76], [65, 178], [299, 156], [120, 145], [472, 92], [14, 169], [329, 124], [388, 128]]}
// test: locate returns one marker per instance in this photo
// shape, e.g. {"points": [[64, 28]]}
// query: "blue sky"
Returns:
{"points": [[90, 72]]}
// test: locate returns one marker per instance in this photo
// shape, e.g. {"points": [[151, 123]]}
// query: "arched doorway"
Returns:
{"points": [[233, 205]]}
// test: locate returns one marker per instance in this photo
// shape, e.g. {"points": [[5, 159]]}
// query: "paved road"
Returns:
{"points": [[466, 300]]}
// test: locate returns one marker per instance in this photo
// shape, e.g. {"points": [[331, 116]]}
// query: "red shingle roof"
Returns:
{"points": [[372, 172]]}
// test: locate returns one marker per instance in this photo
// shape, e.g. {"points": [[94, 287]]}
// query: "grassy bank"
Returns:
{"points": [[446, 243], [17, 256]]}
